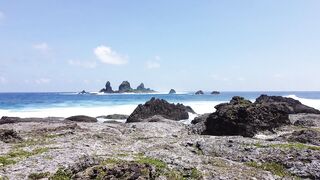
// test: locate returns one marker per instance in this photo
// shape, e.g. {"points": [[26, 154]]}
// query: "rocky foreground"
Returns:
{"points": [[81, 148]]}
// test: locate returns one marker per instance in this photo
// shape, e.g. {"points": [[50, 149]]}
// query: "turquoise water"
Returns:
{"points": [[65, 104]]}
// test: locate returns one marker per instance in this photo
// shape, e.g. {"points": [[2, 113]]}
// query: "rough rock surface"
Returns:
{"points": [[241, 117], [200, 92], [107, 89], [158, 150], [172, 91], [306, 120], [81, 118], [9, 136], [295, 106], [305, 136], [159, 107], [114, 116]]}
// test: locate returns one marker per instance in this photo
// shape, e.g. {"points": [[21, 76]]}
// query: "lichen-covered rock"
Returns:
{"points": [[305, 136], [305, 120], [162, 108]]}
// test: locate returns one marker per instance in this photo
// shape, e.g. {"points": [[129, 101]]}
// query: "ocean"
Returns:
{"points": [[64, 104]]}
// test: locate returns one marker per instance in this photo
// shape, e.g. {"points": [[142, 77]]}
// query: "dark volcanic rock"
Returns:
{"points": [[241, 117], [295, 105], [160, 107], [9, 136], [8, 120], [200, 92], [114, 116], [81, 119], [125, 87], [107, 89], [141, 87], [215, 92], [172, 91], [83, 92], [201, 118]]}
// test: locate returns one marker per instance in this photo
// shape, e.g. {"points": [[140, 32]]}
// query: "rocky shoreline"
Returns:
{"points": [[271, 138]]}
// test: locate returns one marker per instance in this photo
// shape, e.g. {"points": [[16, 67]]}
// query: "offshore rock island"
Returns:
{"points": [[125, 87]]}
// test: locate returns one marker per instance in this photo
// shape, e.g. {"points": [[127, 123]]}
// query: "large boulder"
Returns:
{"points": [[107, 89], [159, 107], [9, 120], [295, 105], [81, 118], [242, 117], [125, 87]]}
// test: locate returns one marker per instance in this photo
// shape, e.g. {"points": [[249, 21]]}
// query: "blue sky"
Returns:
{"points": [[186, 45]]}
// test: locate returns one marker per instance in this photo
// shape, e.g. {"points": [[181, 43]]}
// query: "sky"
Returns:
{"points": [[248, 45]]}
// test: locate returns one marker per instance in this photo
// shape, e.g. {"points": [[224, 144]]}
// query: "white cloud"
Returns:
{"points": [[107, 55], [42, 47], [3, 80], [278, 76], [84, 64], [43, 81], [157, 58], [153, 65]]}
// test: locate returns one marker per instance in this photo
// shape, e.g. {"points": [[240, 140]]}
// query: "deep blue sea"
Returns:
{"points": [[67, 104]]}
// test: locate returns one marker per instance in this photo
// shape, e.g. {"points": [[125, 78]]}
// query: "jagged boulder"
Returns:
{"points": [[162, 108], [200, 92], [125, 87], [107, 89], [295, 106], [242, 117], [172, 91]]}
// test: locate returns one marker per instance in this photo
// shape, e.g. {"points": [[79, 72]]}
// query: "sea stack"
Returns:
{"points": [[107, 89], [172, 91], [215, 92], [125, 87], [200, 92]]}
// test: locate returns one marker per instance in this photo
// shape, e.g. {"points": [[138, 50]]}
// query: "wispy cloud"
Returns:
{"points": [[42, 47], [153, 64], [106, 55], [84, 64], [43, 81]]}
